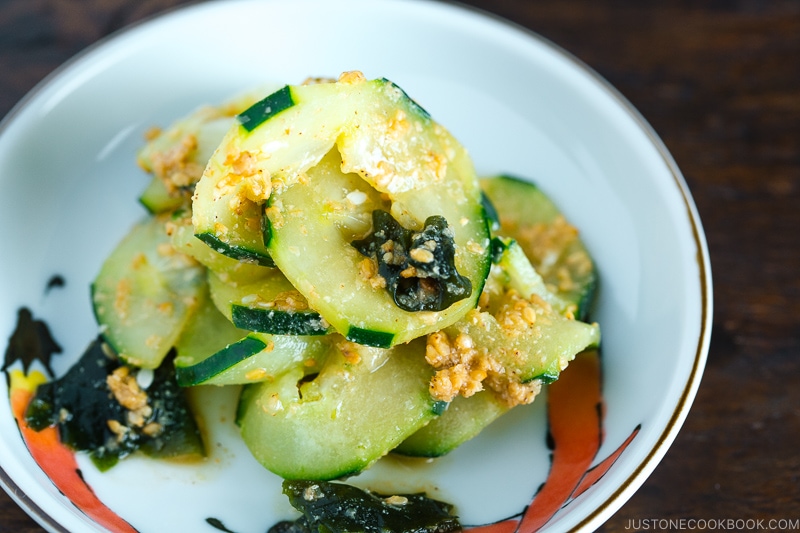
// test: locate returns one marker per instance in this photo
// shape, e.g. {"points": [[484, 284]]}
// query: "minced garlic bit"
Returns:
{"points": [[546, 243], [255, 184], [165, 249], [312, 493], [153, 429], [399, 125], [368, 270], [518, 314], [126, 390], [422, 255], [516, 393], [175, 167], [475, 247], [118, 429], [152, 133], [122, 297], [397, 501], [275, 214], [461, 368], [351, 77], [350, 352], [256, 374], [356, 197], [290, 301]]}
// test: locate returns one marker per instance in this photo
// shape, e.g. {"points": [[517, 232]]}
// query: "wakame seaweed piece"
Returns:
{"points": [[90, 418], [339, 508], [419, 267]]}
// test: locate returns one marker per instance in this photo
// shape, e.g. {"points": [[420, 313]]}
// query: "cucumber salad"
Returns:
{"points": [[330, 250]]}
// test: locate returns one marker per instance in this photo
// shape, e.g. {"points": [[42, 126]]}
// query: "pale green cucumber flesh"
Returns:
{"points": [[195, 136], [145, 293], [212, 351], [255, 358], [157, 199], [538, 352], [305, 232], [345, 418], [268, 304], [243, 242], [526, 214], [380, 132], [206, 333], [214, 220], [234, 270], [463, 419]]}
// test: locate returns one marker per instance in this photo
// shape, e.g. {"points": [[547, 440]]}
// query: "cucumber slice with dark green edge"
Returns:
{"points": [[212, 351], [268, 305], [518, 274], [317, 256], [360, 405], [254, 358], [463, 420], [387, 141], [156, 198], [242, 237], [177, 155], [538, 348], [539, 351], [228, 268], [205, 334], [145, 293], [553, 246]]}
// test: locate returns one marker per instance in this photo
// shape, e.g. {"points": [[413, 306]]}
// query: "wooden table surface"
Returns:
{"points": [[720, 82]]}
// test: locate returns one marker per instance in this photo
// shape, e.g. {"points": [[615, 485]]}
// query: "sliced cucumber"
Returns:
{"points": [[145, 293], [516, 272], [464, 419], [538, 350], [553, 246], [268, 305], [414, 167], [242, 236], [254, 358], [177, 155], [227, 268], [527, 352], [342, 286], [363, 403], [212, 351], [156, 198], [206, 333]]}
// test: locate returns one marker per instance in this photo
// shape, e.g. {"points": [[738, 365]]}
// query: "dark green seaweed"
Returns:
{"points": [[339, 508], [82, 406], [423, 281]]}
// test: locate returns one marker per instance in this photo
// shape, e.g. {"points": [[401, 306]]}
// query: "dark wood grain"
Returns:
{"points": [[720, 82]]}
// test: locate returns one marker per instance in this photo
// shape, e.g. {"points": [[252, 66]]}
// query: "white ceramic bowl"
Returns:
{"points": [[68, 189]]}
